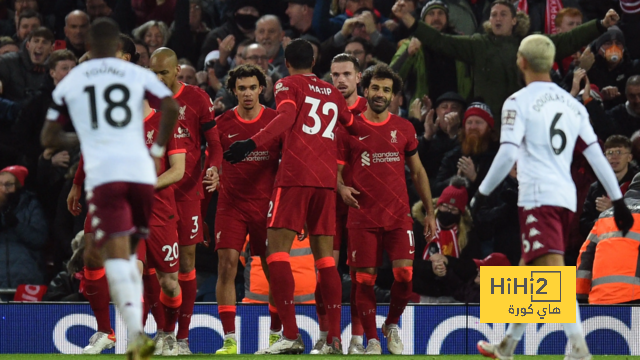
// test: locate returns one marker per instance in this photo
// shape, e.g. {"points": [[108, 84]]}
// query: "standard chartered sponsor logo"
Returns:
{"points": [[366, 160], [386, 157], [258, 156]]}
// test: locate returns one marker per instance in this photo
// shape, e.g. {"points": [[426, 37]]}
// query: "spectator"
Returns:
{"points": [[207, 79], [8, 45], [236, 30], [567, 20], [269, 34], [469, 16], [143, 50], [439, 137], [23, 231], [315, 44], [305, 18], [361, 50], [617, 149], [76, 25], [187, 75], [222, 66], [28, 21], [612, 67], [623, 119], [352, 9], [475, 152], [188, 31], [154, 33], [154, 10], [428, 72], [492, 56], [118, 10]]}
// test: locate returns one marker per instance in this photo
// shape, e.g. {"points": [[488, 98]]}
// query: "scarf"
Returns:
{"points": [[445, 242], [553, 8]]}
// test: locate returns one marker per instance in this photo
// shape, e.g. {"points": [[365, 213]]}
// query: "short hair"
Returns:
{"points": [[103, 36], [66, 18], [381, 71], [570, 12], [366, 45], [539, 51], [28, 14], [246, 47], [347, 58], [508, 4], [142, 43], [270, 17], [141, 30], [245, 71], [633, 81], [42, 32], [615, 141], [299, 54], [184, 61], [360, 11], [60, 55], [7, 40], [129, 47]]}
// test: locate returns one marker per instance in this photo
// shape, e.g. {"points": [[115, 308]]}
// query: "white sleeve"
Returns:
{"points": [[513, 123], [603, 170], [154, 86], [500, 167], [57, 108]]}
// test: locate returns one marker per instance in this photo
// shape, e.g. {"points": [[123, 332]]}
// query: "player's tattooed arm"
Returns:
{"points": [[421, 182], [53, 136]]}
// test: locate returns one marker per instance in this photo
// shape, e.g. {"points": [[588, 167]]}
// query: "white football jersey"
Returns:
{"points": [[104, 99], [547, 123]]}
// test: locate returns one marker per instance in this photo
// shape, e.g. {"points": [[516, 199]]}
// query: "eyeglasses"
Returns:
{"points": [[615, 153], [452, 209], [8, 185], [257, 58], [355, 52]]}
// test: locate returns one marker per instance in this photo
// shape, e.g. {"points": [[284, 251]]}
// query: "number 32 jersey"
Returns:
{"points": [[103, 98], [547, 123]]}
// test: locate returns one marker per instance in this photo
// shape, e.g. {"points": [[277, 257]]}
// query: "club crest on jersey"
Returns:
{"points": [[508, 117], [150, 136], [394, 136], [181, 115], [182, 133]]}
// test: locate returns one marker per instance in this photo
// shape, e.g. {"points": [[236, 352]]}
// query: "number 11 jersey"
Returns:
{"points": [[546, 123], [103, 98]]}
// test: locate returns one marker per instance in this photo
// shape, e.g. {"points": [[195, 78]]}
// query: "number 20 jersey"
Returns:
{"points": [[547, 123], [103, 98]]}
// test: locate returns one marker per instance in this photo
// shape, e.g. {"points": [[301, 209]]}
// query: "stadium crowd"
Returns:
{"points": [[457, 59]]}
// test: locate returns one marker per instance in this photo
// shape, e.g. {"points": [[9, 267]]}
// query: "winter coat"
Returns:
{"points": [[493, 58], [211, 41], [432, 152], [617, 121], [23, 233], [20, 77], [601, 76], [465, 18], [449, 168]]}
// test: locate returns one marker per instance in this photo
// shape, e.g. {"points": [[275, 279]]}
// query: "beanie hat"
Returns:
{"points": [[434, 4], [239, 4], [20, 172], [613, 33], [494, 259], [456, 196], [479, 109], [450, 96]]}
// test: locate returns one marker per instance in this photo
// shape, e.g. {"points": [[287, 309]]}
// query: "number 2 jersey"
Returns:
{"points": [[103, 98], [546, 123], [308, 110]]}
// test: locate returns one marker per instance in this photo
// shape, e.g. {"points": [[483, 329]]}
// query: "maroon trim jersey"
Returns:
{"points": [[308, 111], [195, 117], [377, 155], [164, 203], [248, 184]]}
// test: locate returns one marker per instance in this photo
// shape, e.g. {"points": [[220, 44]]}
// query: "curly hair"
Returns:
{"points": [[381, 71], [245, 71]]}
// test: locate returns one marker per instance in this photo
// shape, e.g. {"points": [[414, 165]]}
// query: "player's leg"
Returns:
{"points": [[226, 296], [275, 329], [152, 303], [171, 299], [356, 345]]}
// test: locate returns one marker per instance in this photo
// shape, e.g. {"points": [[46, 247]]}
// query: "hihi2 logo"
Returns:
{"points": [[528, 294]]}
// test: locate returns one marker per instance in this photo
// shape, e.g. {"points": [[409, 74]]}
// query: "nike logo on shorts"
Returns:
{"points": [[172, 264], [411, 251], [230, 136], [192, 236]]}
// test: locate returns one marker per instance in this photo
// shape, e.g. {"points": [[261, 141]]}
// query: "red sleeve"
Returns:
{"points": [[214, 148], [343, 146], [412, 141], [286, 106], [207, 112], [78, 179]]}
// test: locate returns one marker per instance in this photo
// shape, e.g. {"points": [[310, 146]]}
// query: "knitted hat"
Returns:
{"points": [[456, 196], [450, 96], [20, 172], [494, 259], [613, 33], [239, 4], [479, 109], [434, 4]]}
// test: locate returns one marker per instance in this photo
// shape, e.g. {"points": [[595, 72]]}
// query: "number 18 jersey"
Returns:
{"points": [[547, 123], [103, 98]]}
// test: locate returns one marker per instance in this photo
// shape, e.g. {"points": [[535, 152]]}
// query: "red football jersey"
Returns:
{"points": [[308, 110], [343, 138], [164, 203], [359, 106], [377, 158], [196, 117], [248, 184]]}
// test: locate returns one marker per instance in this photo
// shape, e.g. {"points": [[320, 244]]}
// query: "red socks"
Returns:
{"points": [[189, 288], [152, 297], [331, 293], [366, 302], [228, 317], [323, 320], [96, 290], [276, 324], [171, 310], [280, 269], [401, 291], [356, 324]]}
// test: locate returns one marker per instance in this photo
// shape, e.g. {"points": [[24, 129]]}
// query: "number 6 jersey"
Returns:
{"points": [[103, 98], [546, 123]]}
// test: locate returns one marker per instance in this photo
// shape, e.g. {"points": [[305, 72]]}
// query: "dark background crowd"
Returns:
{"points": [[443, 73]]}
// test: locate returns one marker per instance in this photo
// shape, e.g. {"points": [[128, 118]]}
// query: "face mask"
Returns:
{"points": [[613, 54], [447, 219], [246, 21]]}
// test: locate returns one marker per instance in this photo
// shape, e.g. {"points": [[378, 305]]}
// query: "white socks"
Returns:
{"points": [[574, 330], [323, 335], [357, 339], [126, 292], [516, 331]]}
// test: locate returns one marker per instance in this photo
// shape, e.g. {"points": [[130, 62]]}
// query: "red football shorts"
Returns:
{"points": [[141, 251], [233, 225], [162, 248], [366, 246], [189, 222], [292, 207], [119, 209], [543, 229]]}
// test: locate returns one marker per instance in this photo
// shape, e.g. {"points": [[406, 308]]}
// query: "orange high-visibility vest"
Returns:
{"points": [[304, 274], [608, 265]]}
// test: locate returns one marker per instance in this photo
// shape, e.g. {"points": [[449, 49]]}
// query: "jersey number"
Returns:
{"points": [[553, 132], [317, 123], [122, 103]]}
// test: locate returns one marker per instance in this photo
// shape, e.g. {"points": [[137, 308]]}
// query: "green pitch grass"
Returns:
{"points": [[298, 357]]}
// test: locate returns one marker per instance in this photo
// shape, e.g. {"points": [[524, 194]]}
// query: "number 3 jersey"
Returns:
{"points": [[103, 98], [546, 123]]}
